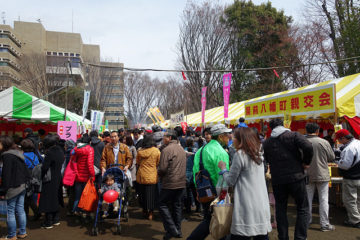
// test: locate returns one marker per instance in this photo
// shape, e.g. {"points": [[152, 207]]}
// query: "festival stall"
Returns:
{"points": [[20, 110]]}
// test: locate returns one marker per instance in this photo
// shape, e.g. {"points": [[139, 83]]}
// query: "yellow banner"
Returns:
{"points": [[302, 102], [152, 111], [158, 114], [151, 117]]}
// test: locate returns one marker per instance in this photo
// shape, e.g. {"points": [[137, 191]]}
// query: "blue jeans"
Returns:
{"points": [[79, 187], [16, 205]]}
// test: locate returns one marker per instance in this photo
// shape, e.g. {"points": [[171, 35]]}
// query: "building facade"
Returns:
{"points": [[10, 53], [57, 51]]}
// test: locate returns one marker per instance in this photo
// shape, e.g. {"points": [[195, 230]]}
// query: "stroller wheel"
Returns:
{"points": [[94, 231], [118, 229]]}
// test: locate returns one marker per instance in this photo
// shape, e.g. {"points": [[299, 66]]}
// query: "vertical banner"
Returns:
{"points": [[203, 104], [67, 130], [97, 119], [226, 93], [151, 117], [85, 104], [159, 114], [106, 125], [152, 111]]}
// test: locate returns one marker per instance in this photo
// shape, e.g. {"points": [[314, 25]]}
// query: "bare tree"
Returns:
{"points": [[172, 97], [312, 46], [140, 93], [340, 19], [33, 72], [203, 45]]}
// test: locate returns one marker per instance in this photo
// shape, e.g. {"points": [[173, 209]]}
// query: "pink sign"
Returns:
{"points": [[226, 92], [67, 130], [203, 104]]}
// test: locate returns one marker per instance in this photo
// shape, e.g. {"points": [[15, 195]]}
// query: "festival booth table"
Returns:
{"points": [[20, 110], [328, 103]]}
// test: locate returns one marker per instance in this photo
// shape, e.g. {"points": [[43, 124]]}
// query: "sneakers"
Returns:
{"points": [[327, 228], [105, 215], [46, 226], [21, 236], [347, 223], [56, 224]]}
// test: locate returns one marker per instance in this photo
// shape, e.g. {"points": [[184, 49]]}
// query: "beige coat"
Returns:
{"points": [[147, 161], [323, 153]]}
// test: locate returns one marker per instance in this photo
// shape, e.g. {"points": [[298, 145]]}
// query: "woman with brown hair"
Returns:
{"points": [[251, 215], [147, 162]]}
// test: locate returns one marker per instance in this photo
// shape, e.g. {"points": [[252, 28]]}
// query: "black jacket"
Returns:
{"points": [[98, 147], [14, 172], [286, 155], [51, 196]]}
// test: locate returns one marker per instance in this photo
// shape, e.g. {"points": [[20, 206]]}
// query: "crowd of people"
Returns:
{"points": [[162, 167]]}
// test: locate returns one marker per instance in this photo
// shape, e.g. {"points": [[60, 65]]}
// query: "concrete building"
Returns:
{"points": [[10, 52], [58, 49]]}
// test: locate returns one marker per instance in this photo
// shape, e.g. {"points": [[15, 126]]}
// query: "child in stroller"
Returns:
{"points": [[120, 181], [109, 185]]}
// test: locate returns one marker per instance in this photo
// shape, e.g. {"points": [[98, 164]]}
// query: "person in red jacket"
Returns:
{"points": [[84, 157]]}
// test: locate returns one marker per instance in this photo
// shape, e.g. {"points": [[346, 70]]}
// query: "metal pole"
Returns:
{"points": [[67, 88]]}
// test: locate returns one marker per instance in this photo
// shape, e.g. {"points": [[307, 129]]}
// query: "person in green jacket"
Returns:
{"points": [[212, 154]]}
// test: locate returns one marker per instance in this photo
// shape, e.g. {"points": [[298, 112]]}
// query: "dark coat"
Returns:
{"points": [[172, 168], [98, 147], [14, 172], [51, 196], [286, 155]]}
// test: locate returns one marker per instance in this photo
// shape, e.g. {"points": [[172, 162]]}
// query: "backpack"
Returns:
{"points": [[36, 181], [205, 191]]}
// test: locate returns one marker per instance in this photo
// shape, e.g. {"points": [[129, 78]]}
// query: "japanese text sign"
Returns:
{"points": [[301, 102], [226, 93], [203, 104], [67, 130]]}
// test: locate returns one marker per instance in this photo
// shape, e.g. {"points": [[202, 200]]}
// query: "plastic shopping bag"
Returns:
{"points": [[221, 217], [89, 198]]}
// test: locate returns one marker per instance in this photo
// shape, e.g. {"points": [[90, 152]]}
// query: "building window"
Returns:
{"points": [[4, 64], [113, 105], [71, 54], [114, 96], [48, 53], [115, 114], [4, 49], [78, 55], [4, 36], [66, 54], [61, 54], [54, 53]]}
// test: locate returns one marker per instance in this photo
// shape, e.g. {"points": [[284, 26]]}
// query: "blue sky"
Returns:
{"points": [[139, 33]]}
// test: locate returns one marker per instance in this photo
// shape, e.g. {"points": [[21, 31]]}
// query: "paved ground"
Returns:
{"points": [[139, 228]]}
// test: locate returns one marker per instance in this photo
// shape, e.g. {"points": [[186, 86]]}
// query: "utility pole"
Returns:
{"points": [[67, 87]]}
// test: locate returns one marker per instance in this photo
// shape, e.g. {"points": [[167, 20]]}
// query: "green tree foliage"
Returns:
{"points": [[260, 38]]}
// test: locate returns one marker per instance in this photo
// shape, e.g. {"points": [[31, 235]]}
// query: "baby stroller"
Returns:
{"points": [[122, 181]]}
